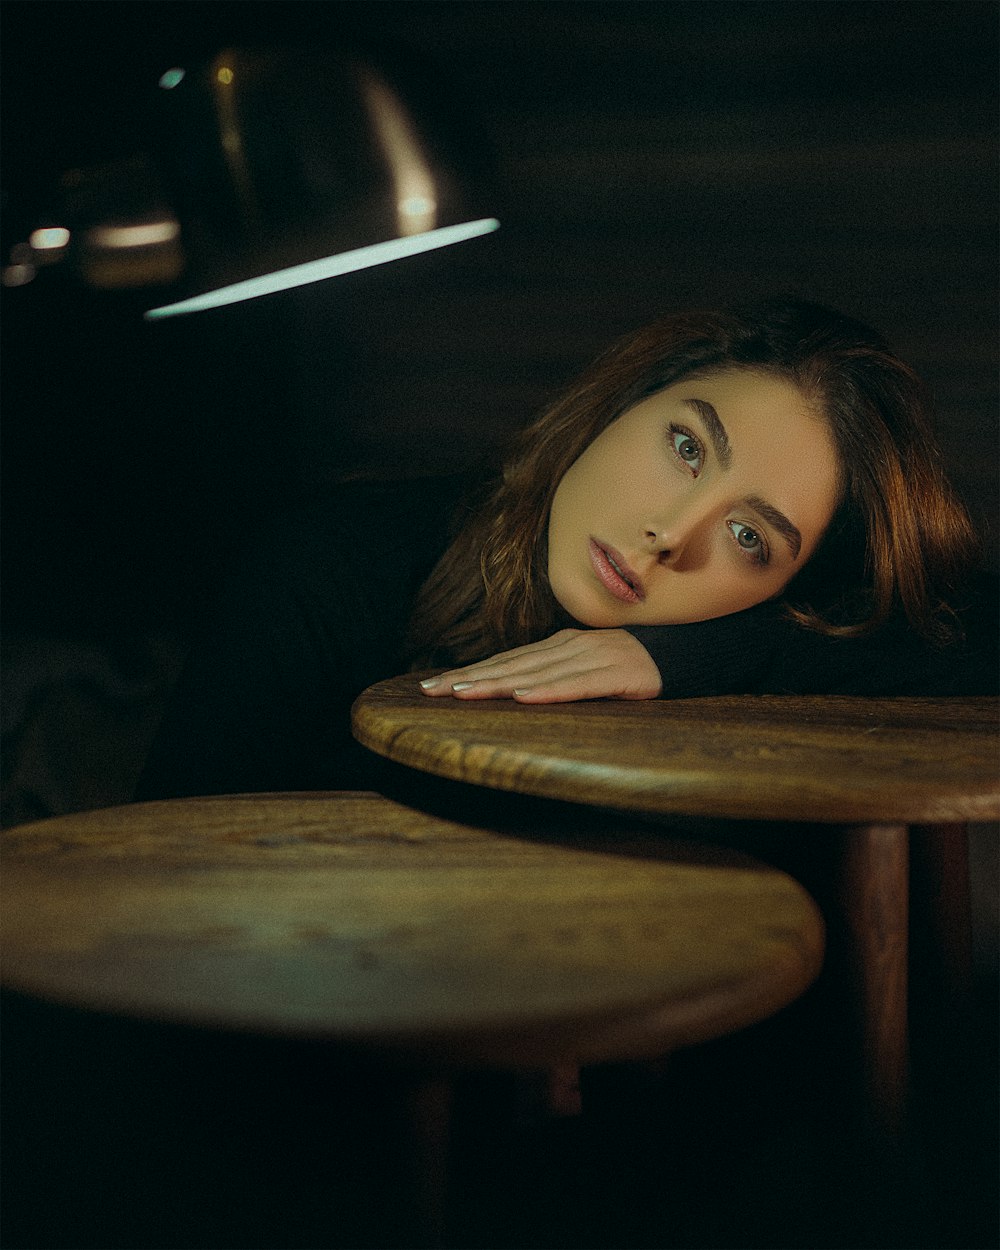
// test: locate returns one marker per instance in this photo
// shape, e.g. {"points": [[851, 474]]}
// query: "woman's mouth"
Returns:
{"points": [[614, 574]]}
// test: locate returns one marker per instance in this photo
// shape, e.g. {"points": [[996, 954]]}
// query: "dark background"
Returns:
{"points": [[647, 157]]}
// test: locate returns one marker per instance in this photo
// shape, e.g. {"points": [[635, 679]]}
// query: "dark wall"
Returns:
{"points": [[648, 156]]}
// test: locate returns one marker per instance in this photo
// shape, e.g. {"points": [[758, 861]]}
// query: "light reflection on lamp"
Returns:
{"points": [[48, 237], [45, 246], [143, 235], [17, 274], [413, 181], [267, 169]]}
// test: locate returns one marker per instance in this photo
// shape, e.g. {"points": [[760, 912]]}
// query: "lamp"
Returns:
{"points": [[267, 168]]}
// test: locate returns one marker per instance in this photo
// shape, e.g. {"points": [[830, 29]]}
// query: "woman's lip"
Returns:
{"points": [[621, 581]]}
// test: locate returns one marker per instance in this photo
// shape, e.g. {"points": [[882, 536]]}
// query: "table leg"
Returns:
{"points": [[875, 897], [428, 1113], [562, 1090], [941, 911], [942, 998]]}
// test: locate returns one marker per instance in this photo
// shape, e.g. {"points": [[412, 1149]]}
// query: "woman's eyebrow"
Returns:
{"points": [[716, 430], [724, 452], [781, 523]]}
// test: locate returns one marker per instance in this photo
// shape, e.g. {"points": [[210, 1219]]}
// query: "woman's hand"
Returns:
{"points": [[572, 664]]}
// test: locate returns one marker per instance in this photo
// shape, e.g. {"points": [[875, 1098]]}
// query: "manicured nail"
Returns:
{"points": [[462, 685], [430, 682]]}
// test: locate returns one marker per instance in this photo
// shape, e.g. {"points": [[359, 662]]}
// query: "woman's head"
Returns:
{"points": [[885, 528], [701, 500]]}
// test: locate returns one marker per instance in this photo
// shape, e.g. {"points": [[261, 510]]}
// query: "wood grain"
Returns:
{"points": [[830, 759], [356, 919]]}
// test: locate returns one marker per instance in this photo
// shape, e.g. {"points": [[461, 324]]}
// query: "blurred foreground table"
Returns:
{"points": [[352, 918], [875, 769], [409, 945]]}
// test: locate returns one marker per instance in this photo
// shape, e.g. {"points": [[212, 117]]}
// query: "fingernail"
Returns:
{"points": [[430, 682], [462, 685], [523, 690]]}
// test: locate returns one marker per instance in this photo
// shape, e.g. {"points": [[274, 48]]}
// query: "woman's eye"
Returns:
{"points": [[748, 540], [687, 448]]}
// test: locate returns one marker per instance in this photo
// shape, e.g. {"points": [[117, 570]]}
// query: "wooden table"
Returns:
{"points": [[409, 944], [873, 768], [351, 918]]}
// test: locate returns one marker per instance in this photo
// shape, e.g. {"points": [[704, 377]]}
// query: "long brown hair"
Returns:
{"points": [[900, 537]]}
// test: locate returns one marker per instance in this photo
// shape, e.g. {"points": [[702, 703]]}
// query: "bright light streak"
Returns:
{"points": [[329, 267], [225, 75], [171, 78], [145, 235], [48, 237], [416, 194]]}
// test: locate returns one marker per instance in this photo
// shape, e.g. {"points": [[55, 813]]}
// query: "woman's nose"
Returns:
{"points": [[666, 545], [675, 538]]}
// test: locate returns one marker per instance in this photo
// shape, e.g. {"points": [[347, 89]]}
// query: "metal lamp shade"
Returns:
{"points": [[268, 168]]}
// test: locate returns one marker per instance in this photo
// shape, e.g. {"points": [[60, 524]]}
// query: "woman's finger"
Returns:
{"points": [[520, 660], [573, 664], [601, 683], [503, 685]]}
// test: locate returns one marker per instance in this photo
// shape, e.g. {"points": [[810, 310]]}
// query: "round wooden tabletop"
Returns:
{"points": [[828, 759], [353, 918]]}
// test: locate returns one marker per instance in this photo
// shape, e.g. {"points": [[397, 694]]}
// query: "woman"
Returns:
{"points": [[740, 502]]}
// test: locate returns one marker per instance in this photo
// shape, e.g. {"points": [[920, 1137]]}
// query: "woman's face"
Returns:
{"points": [[701, 500]]}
